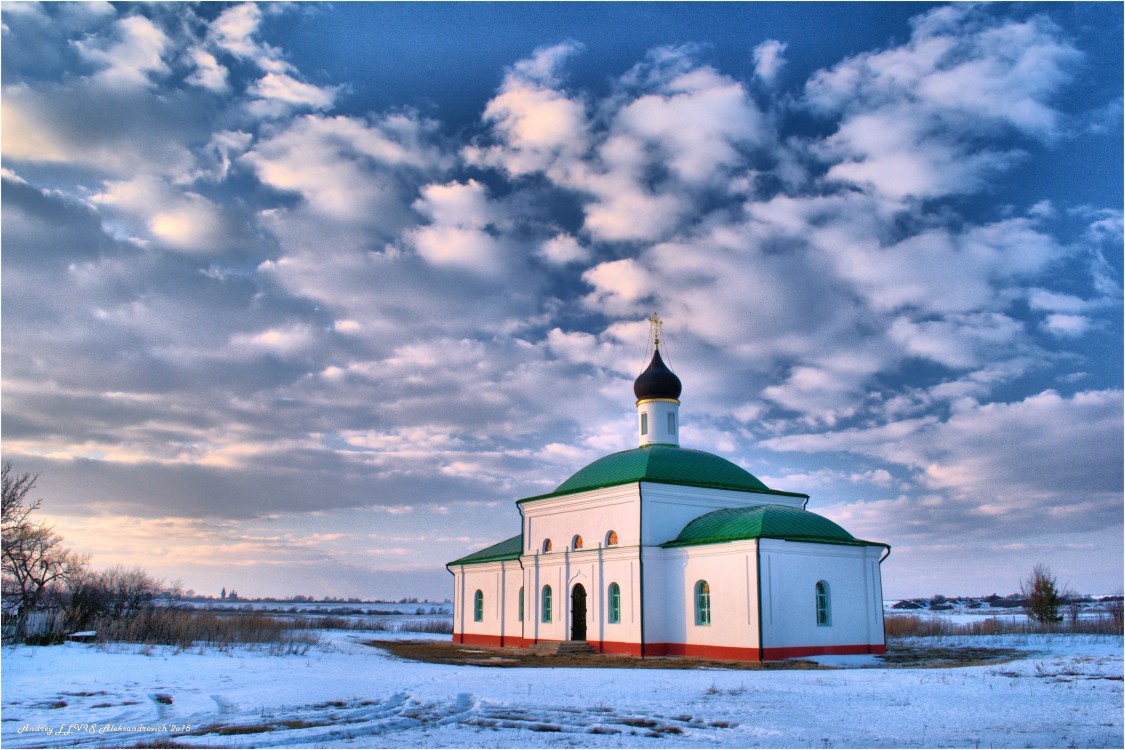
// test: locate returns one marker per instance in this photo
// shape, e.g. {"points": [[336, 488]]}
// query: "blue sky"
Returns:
{"points": [[298, 299]]}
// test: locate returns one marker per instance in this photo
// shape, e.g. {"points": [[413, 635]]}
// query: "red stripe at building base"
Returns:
{"points": [[691, 650]]}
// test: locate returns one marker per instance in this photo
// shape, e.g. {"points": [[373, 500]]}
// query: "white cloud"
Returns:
{"points": [[462, 204], [1046, 451], [768, 60], [234, 30], [344, 167], [912, 114], [461, 233], [696, 121], [937, 271], [535, 124], [564, 249], [958, 341], [1062, 324], [209, 73], [180, 220], [347, 326], [279, 93], [284, 341], [129, 61]]}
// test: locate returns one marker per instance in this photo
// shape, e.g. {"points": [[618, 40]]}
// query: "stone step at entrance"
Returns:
{"points": [[562, 648]]}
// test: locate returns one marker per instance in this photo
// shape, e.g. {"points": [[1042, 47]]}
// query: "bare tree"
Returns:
{"points": [[1041, 593], [1071, 601], [16, 509], [114, 593], [1117, 609], [33, 558]]}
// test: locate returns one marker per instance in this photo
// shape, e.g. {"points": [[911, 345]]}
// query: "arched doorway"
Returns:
{"points": [[578, 613]]}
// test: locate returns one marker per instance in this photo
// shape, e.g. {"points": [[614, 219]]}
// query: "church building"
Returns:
{"points": [[669, 551]]}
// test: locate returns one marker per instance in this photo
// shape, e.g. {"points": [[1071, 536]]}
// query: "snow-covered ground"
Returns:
{"points": [[1066, 693]]}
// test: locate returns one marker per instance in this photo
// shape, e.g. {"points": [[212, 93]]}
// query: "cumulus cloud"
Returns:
{"points": [[180, 220], [912, 115], [132, 58], [564, 249], [346, 168], [1047, 451], [461, 232], [276, 94], [209, 73], [535, 123], [769, 60], [235, 28]]}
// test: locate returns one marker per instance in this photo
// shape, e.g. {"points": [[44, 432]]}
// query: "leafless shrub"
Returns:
{"points": [[187, 629], [390, 625], [907, 626], [1117, 609], [114, 593]]}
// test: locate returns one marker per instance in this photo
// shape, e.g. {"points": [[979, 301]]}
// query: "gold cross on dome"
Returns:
{"points": [[655, 326]]}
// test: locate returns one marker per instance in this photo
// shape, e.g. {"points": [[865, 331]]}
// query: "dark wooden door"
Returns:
{"points": [[578, 613]]}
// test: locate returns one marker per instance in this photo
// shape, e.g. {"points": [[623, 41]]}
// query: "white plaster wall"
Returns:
{"points": [[591, 514], [493, 580], [670, 578], [594, 569], [790, 571], [667, 508]]}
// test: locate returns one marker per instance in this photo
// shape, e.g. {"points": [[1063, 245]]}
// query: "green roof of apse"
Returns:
{"points": [[764, 521], [662, 464], [509, 549]]}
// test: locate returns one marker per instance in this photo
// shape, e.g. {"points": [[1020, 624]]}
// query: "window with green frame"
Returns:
{"points": [[521, 603], [702, 603], [546, 608], [614, 603], [823, 613], [478, 606]]}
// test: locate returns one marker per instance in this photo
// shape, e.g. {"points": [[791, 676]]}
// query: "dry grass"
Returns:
{"points": [[906, 626], [190, 628], [442, 625]]}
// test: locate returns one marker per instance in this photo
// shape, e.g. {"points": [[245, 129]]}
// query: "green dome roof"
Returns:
{"points": [[663, 464], [758, 521]]}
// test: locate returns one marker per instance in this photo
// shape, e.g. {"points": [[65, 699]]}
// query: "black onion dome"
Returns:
{"points": [[657, 381]]}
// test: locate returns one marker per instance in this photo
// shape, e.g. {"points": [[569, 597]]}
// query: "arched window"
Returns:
{"points": [[823, 604], [478, 606], [611, 539], [614, 611], [521, 603], [546, 608], [576, 542], [546, 545], [702, 603]]}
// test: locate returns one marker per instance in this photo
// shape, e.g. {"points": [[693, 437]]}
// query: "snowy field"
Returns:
{"points": [[1067, 692]]}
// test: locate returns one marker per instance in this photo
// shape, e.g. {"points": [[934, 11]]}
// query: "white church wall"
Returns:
{"points": [[592, 515], [671, 576], [667, 508], [790, 572], [492, 580], [594, 569]]}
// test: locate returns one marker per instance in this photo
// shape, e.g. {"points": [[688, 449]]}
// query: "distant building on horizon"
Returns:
{"points": [[667, 551]]}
